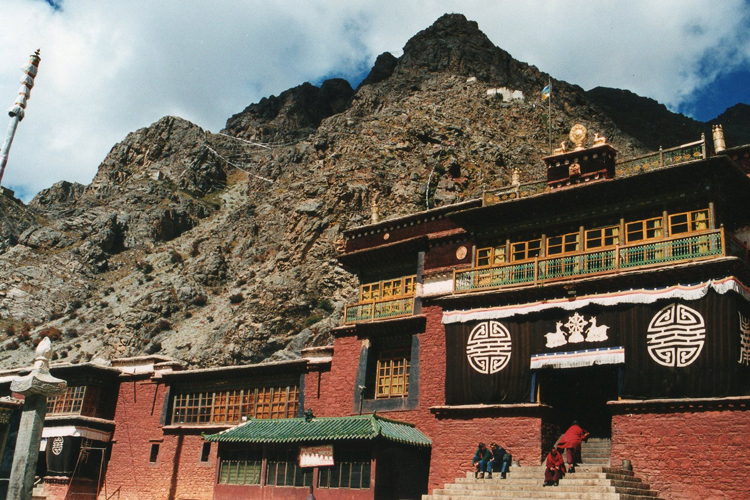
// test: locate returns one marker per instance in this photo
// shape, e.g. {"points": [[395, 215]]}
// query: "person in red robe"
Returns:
{"points": [[571, 443], [554, 468]]}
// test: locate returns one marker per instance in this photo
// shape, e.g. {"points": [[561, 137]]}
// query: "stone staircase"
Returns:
{"points": [[596, 451], [589, 482]]}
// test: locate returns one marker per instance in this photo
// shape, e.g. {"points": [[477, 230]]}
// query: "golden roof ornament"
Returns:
{"points": [[562, 149], [578, 136], [719, 144]]}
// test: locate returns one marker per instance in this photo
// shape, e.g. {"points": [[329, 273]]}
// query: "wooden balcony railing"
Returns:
{"points": [[663, 158], [606, 261], [633, 166], [379, 309]]}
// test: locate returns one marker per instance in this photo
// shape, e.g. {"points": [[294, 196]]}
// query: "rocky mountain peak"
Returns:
{"points": [[455, 44], [294, 114], [61, 194], [216, 251]]}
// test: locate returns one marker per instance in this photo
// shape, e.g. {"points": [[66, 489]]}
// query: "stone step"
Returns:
{"points": [[589, 482], [522, 482], [563, 487], [552, 492], [582, 471]]}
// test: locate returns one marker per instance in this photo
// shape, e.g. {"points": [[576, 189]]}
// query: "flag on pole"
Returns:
{"points": [[545, 93]]}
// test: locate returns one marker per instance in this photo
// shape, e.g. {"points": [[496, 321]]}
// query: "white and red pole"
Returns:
{"points": [[18, 110]]}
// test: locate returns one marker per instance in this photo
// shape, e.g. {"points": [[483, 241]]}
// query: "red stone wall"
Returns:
{"points": [[337, 386], [442, 256], [701, 454], [177, 472], [454, 438]]}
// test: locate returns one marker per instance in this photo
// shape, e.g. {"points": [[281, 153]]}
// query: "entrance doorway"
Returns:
{"points": [[577, 394]]}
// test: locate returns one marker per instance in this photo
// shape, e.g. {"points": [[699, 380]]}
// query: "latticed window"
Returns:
{"points": [[565, 243], [689, 222], [351, 470], [69, 403], [525, 250], [240, 467], [370, 291], [282, 469], [392, 380], [230, 406], [492, 256], [647, 229], [602, 237], [400, 287]]}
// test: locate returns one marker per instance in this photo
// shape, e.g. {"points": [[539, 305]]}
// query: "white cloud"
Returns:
{"points": [[109, 68]]}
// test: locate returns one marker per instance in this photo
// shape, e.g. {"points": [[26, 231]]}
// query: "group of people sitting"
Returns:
{"points": [[496, 458], [571, 441], [489, 460]]}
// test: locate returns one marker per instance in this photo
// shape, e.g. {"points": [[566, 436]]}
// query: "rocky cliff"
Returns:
{"points": [[219, 248]]}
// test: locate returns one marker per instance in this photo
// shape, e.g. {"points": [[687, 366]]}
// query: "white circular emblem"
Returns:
{"points": [[676, 336], [488, 347], [57, 445]]}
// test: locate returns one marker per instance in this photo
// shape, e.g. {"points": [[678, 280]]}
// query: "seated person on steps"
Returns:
{"points": [[481, 460], [554, 468], [500, 459]]}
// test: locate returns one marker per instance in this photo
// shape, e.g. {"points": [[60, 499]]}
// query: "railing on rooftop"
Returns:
{"points": [[514, 191], [379, 309], [673, 250], [633, 166], [663, 158]]}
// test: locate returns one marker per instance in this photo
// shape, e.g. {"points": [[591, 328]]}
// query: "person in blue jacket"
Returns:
{"points": [[500, 459]]}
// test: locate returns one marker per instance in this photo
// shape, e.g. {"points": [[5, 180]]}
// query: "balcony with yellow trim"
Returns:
{"points": [[383, 300], [647, 254]]}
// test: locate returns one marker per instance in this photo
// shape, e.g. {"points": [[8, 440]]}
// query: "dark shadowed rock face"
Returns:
{"points": [[645, 119], [456, 45], [382, 69], [736, 124], [15, 218], [216, 251], [294, 114]]}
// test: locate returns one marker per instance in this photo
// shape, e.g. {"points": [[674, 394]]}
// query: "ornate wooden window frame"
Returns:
{"points": [[392, 373]]}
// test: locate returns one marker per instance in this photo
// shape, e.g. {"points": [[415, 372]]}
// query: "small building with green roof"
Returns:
{"points": [[354, 457]]}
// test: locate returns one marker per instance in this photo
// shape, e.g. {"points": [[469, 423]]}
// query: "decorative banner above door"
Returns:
{"points": [[638, 296], [698, 348]]}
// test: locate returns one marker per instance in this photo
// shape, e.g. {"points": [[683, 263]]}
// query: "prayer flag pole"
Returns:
{"points": [[549, 116], [17, 111]]}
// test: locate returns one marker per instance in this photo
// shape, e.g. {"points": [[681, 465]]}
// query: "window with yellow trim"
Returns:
{"points": [[230, 406], [647, 229], [602, 237], [564, 243], [68, 403], [392, 373], [689, 222], [388, 289], [410, 285], [371, 291], [492, 256], [525, 250]]}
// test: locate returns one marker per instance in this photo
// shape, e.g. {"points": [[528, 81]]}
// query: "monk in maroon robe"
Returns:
{"points": [[554, 468], [571, 442]]}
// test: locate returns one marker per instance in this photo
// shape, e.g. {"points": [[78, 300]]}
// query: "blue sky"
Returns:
{"points": [[109, 68]]}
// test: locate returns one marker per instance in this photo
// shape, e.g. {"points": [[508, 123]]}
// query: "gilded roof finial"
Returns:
{"points": [[578, 136]]}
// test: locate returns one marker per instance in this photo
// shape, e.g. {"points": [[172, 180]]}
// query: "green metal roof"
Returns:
{"points": [[321, 429]]}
